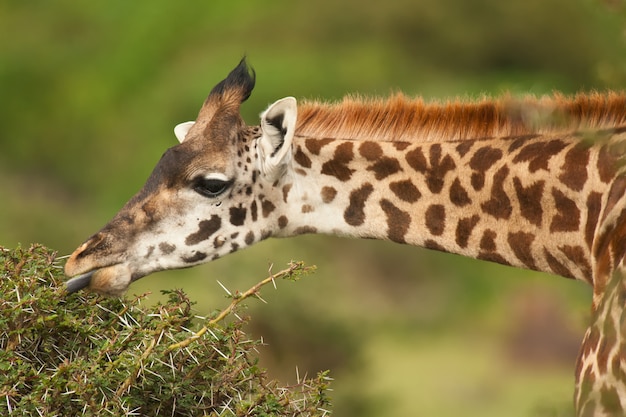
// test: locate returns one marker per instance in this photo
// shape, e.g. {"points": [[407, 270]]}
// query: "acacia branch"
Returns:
{"points": [[293, 271]]}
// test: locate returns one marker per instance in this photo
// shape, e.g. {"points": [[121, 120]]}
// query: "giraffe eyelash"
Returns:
{"points": [[211, 186]]}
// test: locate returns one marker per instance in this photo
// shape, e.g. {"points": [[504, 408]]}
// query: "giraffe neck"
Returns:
{"points": [[522, 201]]}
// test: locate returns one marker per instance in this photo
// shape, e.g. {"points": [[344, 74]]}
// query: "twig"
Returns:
{"points": [[295, 268], [128, 381]]}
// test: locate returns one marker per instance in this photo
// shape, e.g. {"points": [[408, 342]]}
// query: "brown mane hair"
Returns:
{"points": [[402, 119]]}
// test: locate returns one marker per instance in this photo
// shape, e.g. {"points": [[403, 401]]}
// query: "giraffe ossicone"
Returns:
{"points": [[536, 183]]}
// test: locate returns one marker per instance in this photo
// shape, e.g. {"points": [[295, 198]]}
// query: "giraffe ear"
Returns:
{"points": [[181, 129], [278, 124]]}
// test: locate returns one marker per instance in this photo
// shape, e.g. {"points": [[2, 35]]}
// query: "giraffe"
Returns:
{"points": [[532, 183]]}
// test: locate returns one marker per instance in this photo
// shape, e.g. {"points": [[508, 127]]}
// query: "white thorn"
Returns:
{"points": [[224, 288]]}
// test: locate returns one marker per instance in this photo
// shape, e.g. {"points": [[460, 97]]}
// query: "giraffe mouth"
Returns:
{"points": [[79, 282], [112, 280]]}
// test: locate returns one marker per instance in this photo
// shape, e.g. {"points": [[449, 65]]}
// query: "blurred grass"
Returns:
{"points": [[90, 93]]}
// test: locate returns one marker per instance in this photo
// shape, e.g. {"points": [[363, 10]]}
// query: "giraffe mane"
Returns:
{"points": [[399, 118]]}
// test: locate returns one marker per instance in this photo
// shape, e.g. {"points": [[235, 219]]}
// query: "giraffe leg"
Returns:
{"points": [[601, 367]]}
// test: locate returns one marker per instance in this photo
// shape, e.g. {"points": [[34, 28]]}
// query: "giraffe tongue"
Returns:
{"points": [[79, 282]]}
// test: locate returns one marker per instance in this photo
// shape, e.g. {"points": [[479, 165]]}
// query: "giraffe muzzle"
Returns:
{"points": [[110, 280]]}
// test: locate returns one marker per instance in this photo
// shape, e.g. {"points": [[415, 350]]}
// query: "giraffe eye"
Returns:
{"points": [[210, 187]]}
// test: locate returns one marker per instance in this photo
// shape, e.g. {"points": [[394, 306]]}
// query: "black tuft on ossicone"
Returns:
{"points": [[241, 78]]}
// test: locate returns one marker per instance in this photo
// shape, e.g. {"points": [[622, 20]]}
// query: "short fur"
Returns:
{"points": [[402, 119]]}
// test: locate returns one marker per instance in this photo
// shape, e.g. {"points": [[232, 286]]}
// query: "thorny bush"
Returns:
{"points": [[81, 354]]}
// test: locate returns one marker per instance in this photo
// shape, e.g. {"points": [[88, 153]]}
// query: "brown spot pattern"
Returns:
{"points": [[286, 189], [488, 241], [520, 141], [237, 215], [574, 169], [616, 193], [315, 145], [607, 164], [400, 146], [354, 214], [431, 244], [499, 206], [434, 172], [384, 167], [603, 262], [556, 266], [417, 160], [464, 147], [306, 208], [205, 229], [440, 166], [249, 239], [253, 211], [567, 217], [520, 243], [282, 221], [405, 191], [328, 194], [338, 166], [301, 158], [478, 180], [578, 256], [435, 218], [484, 158], [464, 229], [458, 195], [493, 257], [267, 207], [530, 200], [481, 161], [618, 240], [370, 150], [398, 221], [538, 154], [594, 205], [166, 248]]}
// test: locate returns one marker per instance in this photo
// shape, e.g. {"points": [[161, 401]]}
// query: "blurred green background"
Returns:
{"points": [[90, 92]]}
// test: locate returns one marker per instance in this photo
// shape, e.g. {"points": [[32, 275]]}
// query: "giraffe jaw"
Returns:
{"points": [[110, 280]]}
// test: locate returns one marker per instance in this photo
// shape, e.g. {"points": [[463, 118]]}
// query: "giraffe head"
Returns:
{"points": [[207, 196]]}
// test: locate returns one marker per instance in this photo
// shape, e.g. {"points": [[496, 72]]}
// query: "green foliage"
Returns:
{"points": [[81, 354]]}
